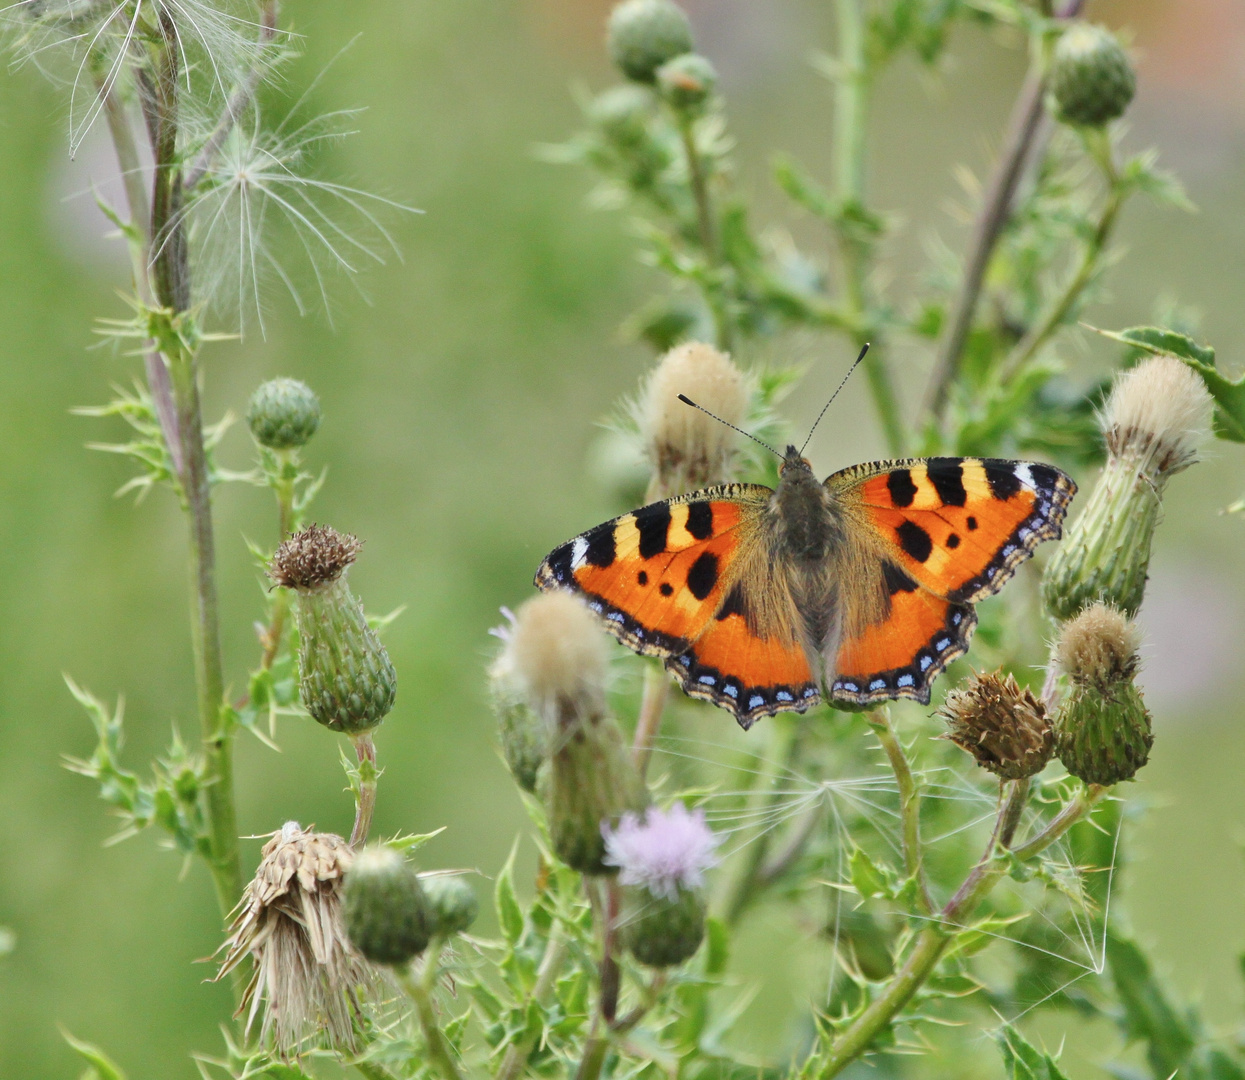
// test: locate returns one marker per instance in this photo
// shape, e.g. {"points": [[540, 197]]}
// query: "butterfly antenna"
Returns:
{"points": [[834, 395], [688, 401]]}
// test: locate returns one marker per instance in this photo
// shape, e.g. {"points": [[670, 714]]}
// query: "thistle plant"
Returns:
{"points": [[953, 868]]}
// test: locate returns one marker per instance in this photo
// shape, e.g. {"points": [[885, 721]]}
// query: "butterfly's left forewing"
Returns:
{"points": [[947, 532], [665, 581]]}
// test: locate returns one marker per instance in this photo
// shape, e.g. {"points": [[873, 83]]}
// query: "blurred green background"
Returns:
{"points": [[461, 398]]}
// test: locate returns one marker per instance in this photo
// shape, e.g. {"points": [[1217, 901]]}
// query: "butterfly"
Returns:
{"points": [[853, 591]]}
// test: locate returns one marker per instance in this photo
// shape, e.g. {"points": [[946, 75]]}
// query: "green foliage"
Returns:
{"points": [[1022, 1060]]}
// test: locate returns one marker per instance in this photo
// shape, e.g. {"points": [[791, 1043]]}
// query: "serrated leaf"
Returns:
{"points": [[509, 913], [1156, 339], [411, 842], [102, 1067], [868, 878], [1022, 1060]]}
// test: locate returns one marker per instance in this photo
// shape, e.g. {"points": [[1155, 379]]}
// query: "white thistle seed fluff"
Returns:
{"points": [[1160, 409], [678, 437], [1099, 645], [557, 652]]}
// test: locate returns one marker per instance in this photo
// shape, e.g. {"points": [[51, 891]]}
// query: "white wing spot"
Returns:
{"points": [[1025, 475], [579, 552]]}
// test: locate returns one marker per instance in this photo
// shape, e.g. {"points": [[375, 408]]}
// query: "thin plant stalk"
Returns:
{"points": [[420, 992], [909, 804], [706, 230], [851, 105], [648, 723], [365, 796]]}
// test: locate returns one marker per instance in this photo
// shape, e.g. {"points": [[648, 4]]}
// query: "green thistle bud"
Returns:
{"points": [[284, 413], [1001, 724], [1102, 727], [452, 902], [660, 931], [556, 653], [687, 81], [347, 681], [1091, 77], [1157, 414], [621, 114], [388, 919], [643, 34]]}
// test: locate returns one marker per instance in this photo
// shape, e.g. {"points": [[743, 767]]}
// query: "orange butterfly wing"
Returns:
{"points": [[954, 530], [660, 581]]}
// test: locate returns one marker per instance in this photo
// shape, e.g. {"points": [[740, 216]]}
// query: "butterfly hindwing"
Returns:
{"points": [[959, 526]]}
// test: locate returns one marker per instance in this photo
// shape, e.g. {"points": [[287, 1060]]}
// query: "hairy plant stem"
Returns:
{"points": [[909, 803], [420, 992], [648, 723], [851, 105], [931, 943], [518, 1052], [1022, 132], [177, 339], [707, 231], [1062, 306], [365, 797]]}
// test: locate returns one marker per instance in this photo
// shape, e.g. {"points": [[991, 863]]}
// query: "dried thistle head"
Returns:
{"points": [[556, 653], [1099, 645], [307, 979], [1001, 724], [318, 555], [687, 449], [1160, 410]]}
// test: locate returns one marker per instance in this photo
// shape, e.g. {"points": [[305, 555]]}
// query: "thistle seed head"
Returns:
{"points": [[557, 655], [1099, 646], [1159, 411], [689, 450], [387, 914], [318, 555], [307, 976], [1001, 724]]}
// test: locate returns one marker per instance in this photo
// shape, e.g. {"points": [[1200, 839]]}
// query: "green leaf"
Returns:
{"points": [[868, 878], [1148, 1014], [1022, 1060], [509, 913], [1155, 339], [411, 842], [102, 1067]]}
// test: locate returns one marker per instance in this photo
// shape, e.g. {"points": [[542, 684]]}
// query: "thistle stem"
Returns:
{"points": [[420, 992], [706, 229], [932, 942], [851, 106], [909, 803], [652, 706], [365, 797], [518, 1052]]}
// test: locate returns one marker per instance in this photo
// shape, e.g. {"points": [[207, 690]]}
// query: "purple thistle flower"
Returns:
{"points": [[668, 850]]}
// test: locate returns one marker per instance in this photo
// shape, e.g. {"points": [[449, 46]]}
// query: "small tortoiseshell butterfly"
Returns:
{"points": [[854, 591]]}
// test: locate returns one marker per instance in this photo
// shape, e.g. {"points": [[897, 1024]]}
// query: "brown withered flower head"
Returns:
{"points": [[1001, 724], [315, 556], [307, 978]]}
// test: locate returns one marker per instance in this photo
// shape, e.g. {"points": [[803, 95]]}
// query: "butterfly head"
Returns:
{"points": [[793, 459]]}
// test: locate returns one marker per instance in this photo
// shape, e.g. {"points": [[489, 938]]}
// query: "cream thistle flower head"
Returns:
{"points": [[667, 851], [307, 978]]}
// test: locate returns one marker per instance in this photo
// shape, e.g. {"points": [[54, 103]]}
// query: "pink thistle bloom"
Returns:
{"points": [[668, 850]]}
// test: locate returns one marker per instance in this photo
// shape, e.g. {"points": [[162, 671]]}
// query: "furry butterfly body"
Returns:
{"points": [[855, 590]]}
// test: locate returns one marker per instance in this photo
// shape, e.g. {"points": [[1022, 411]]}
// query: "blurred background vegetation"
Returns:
{"points": [[462, 397]]}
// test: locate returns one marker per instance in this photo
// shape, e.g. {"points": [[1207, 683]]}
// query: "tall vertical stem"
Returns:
{"points": [[170, 282], [851, 104]]}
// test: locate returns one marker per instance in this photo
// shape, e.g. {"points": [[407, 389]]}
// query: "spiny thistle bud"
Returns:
{"points": [[1001, 724], [621, 114], [452, 903], [307, 976], [522, 732], [662, 862], [283, 413], [1156, 416], [557, 655], [1091, 77], [347, 681], [643, 34], [689, 450], [1102, 727], [388, 916], [687, 81]]}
